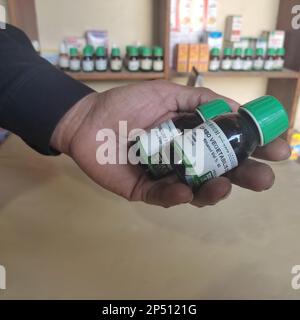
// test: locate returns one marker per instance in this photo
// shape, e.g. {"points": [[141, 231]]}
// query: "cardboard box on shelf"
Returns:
{"points": [[275, 38], [182, 57], [203, 60], [193, 56], [233, 28], [75, 42]]}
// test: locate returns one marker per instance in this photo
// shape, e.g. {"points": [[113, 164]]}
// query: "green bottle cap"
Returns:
{"points": [[88, 51], [128, 49], [140, 50], [269, 116], [238, 51], [73, 52], [249, 52], [227, 52], [100, 52], [259, 52], [158, 52], [271, 52], [133, 51], [213, 109], [215, 52], [146, 52], [280, 52], [115, 52]]}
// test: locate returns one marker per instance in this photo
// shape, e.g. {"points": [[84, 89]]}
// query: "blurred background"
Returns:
{"points": [[62, 236]]}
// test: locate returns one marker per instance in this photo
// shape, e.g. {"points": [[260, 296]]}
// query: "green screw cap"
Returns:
{"points": [[238, 51], [115, 52], [100, 52], [280, 52], [215, 52], [271, 52], [146, 52], [269, 116], [133, 51], [73, 52], [158, 51], [88, 51], [213, 109], [249, 52], [227, 52], [259, 52]]}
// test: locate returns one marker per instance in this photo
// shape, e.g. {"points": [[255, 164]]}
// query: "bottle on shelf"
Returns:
{"points": [[155, 142], [88, 63], [258, 62], [146, 59], [63, 59], [133, 62], [101, 59], [237, 62], [115, 60], [75, 63], [226, 63], [279, 59], [234, 135], [270, 60], [248, 60], [158, 59], [214, 61]]}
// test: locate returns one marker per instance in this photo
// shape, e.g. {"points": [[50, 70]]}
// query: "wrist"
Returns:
{"points": [[63, 134]]}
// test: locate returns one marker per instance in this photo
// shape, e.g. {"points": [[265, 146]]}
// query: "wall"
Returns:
{"points": [[131, 20]]}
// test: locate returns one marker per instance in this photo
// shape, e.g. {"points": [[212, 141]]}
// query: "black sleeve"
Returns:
{"points": [[34, 95]]}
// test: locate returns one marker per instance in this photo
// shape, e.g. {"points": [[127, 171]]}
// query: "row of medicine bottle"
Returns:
{"points": [[144, 59], [237, 60]]}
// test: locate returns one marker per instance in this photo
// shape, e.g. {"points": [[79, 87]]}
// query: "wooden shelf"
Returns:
{"points": [[284, 74], [116, 76]]}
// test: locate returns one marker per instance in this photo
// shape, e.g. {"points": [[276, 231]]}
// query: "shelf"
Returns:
{"points": [[116, 76], [284, 74]]}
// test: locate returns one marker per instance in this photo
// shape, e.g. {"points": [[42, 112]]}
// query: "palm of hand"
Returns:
{"points": [[144, 106]]}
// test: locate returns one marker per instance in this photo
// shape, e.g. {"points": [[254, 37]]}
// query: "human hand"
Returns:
{"points": [[145, 106]]}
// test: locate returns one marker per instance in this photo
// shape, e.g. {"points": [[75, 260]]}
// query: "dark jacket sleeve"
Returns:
{"points": [[34, 95]]}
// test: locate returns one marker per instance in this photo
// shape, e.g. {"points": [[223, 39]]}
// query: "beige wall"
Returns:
{"points": [[131, 20]]}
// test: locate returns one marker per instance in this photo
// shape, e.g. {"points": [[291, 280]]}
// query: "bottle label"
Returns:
{"points": [[214, 65], [218, 154], [158, 65], [101, 64], [88, 66], [64, 62], [226, 64], [269, 65], [157, 138], [279, 63], [247, 65], [133, 65], [258, 64], [146, 64], [75, 64], [237, 64], [116, 65], [153, 148]]}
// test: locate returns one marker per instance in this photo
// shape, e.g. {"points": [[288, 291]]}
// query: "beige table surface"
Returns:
{"points": [[62, 236]]}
